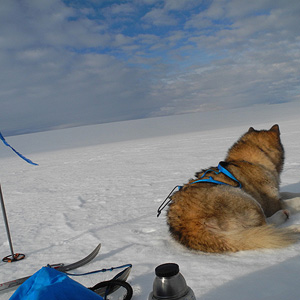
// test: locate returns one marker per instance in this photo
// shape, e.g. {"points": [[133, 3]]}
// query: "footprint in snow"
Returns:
{"points": [[144, 230]]}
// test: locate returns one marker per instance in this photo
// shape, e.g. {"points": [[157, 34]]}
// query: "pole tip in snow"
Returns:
{"points": [[16, 257]]}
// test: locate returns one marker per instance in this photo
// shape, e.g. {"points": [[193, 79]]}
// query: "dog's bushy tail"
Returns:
{"points": [[261, 237], [215, 240]]}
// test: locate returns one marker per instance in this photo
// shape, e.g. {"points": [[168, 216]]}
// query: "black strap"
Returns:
{"points": [[167, 200], [110, 284]]}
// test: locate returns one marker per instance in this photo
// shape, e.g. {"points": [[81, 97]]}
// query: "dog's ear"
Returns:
{"points": [[251, 129], [275, 128]]}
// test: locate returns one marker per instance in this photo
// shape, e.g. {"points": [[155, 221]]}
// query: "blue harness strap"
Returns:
{"points": [[221, 170], [209, 180]]}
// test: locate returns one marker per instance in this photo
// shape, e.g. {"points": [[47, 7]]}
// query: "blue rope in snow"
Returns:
{"points": [[102, 270], [19, 154]]}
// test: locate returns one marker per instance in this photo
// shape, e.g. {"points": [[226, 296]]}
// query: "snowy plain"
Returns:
{"points": [[104, 183]]}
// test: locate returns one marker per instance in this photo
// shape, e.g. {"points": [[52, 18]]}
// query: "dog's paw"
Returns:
{"points": [[279, 217], [285, 214]]}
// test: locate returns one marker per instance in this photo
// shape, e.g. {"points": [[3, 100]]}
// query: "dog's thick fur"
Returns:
{"points": [[225, 218]]}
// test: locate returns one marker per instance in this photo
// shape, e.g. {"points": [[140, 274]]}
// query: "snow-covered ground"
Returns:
{"points": [[104, 183]]}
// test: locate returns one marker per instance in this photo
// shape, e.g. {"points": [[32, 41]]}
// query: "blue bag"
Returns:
{"points": [[50, 284]]}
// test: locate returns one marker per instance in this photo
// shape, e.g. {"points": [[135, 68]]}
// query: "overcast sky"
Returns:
{"points": [[75, 62]]}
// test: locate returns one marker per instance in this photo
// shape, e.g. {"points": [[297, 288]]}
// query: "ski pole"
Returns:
{"points": [[17, 256]]}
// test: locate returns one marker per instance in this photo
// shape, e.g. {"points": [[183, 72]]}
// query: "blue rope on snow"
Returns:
{"points": [[100, 271], [19, 154]]}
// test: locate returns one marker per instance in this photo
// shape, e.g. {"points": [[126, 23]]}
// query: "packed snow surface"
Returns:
{"points": [[104, 183]]}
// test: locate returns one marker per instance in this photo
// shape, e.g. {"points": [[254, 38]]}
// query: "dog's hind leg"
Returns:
{"points": [[279, 217]]}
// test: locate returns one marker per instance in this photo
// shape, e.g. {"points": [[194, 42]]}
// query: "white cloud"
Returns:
{"points": [[82, 89], [125, 8], [159, 17], [180, 5], [80, 63]]}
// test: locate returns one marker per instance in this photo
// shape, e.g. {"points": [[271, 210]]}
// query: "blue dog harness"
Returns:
{"points": [[221, 170], [209, 180]]}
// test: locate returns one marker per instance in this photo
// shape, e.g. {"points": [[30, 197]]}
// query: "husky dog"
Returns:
{"points": [[235, 206]]}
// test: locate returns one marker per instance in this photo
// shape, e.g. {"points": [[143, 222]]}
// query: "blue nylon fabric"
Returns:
{"points": [[221, 170], [228, 174], [210, 180], [19, 154], [50, 284]]}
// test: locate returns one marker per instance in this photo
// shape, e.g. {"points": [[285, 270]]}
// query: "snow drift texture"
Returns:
{"points": [[104, 183]]}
